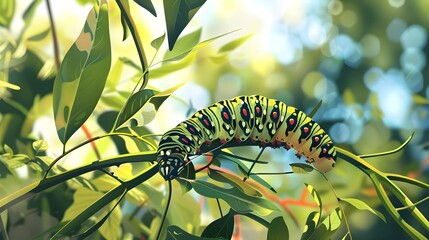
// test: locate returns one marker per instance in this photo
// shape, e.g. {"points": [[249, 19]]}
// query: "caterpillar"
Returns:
{"points": [[245, 120]]}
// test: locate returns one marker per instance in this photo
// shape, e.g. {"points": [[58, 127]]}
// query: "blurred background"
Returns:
{"points": [[367, 61]]}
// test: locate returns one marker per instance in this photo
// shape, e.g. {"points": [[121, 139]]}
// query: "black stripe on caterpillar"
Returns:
{"points": [[245, 120]]}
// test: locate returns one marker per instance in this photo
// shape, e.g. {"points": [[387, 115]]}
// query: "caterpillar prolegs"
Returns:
{"points": [[245, 120]]}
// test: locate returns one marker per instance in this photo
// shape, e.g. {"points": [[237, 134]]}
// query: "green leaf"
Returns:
{"points": [[310, 225], [360, 205], [278, 230], [29, 12], [40, 36], [188, 173], [114, 76], [301, 168], [177, 16], [36, 167], [239, 201], [234, 181], [183, 46], [157, 42], [176, 233], [315, 196], [139, 99], [147, 4], [40, 145], [170, 67], [315, 109], [222, 227], [234, 44], [7, 9], [81, 211], [329, 226], [245, 170], [129, 62], [82, 74]]}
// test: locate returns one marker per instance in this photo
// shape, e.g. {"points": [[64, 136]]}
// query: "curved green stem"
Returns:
{"points": [[91, 140], [389, 152], [381, 181]]}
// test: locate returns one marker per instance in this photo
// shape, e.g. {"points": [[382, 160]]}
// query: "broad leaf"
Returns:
{"points": [[360, 205], [147, 4], [178, 13], [139, 99], [329, 226], [234, 181], [278, 230], [83, 212], [176, 233], [7, 9], [301, 168], [82, 74], [245, 169], [239, 201], [222, 227]]}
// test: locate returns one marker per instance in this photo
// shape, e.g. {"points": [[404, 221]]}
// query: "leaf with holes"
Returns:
{"points": [[82, 74]]}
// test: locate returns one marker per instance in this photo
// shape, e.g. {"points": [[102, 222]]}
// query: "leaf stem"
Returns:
{"points": [[170, 192]]}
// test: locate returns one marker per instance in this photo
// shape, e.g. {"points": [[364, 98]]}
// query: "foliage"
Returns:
{"points": [[114, 192]]}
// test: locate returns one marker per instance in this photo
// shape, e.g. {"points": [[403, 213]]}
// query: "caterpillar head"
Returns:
{"points": [[327, 158], [170, 166]]}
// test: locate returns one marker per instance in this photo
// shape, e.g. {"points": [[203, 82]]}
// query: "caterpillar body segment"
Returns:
{"points": [[245, 120]]}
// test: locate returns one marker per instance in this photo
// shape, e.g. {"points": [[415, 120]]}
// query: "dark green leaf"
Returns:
{"points": [[7, 10], [315, 109], [278, 230], [301, 168], [176, 233], [82, 74], [328, 227], [245, 169], [222, 227], [234, 181], [133, 105], [310, 225], [139, 99], [177, 15], [188, 173], [147, 4], [360, 205], [157, 42], [239, 201]]}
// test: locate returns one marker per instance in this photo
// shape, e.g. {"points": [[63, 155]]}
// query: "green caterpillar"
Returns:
{"points": [[245, 120]]}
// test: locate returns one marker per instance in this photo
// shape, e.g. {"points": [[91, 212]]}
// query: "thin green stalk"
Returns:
{"points": [[91, 140], [46, 183]]}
